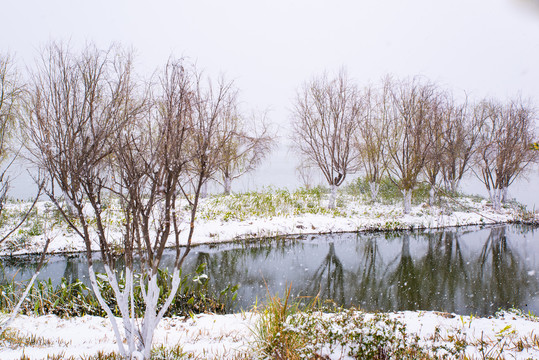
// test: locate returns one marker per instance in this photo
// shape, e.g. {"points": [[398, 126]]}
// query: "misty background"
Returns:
{"points": [[478, 48]]}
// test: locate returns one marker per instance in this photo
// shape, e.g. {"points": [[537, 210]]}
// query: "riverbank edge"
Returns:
{"points": [[361, 219]]}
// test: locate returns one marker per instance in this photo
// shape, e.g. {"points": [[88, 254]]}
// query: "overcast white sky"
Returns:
{"points": [[483, 47]]}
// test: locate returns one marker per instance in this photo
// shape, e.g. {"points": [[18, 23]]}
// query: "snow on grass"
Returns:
{"points": [[227, 336], [266, 214], [218, 335]]}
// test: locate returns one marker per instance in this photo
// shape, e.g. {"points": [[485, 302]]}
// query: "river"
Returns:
{"points": [[466, 270]]}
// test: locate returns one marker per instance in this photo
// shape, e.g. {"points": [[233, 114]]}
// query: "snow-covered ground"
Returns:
{"points": [[214, 223], [224, 336]]}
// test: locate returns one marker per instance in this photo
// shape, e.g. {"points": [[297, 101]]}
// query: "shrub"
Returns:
{"points": [[284, 331], [272, 339]]}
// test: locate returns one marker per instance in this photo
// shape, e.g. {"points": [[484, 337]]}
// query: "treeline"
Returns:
{"points": [[411, 130]]}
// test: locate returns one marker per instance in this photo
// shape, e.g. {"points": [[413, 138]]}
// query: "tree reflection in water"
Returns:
{"points": [[500, 278], [328, 280], [442, 272], [368, 290], [465, 270], [72, 270], [404, 279]]}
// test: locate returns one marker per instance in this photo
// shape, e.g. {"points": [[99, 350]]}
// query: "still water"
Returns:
{"points": [[465, 270]]}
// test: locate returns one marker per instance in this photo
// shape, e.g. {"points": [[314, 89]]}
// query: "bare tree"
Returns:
{"points": [[503, 152], [78, 107], [11, 93], [414, 103], [149, 160], [97, 135], [462, 127], [305, 173], [248, 145], [325, 118], [213, 131], [370, 137], [434, 163]]}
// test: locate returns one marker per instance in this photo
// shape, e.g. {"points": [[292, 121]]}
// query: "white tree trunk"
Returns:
{"points": [[496, 198], [499, 194], [110, 315], [227, 184], [454, 185], [333, 197], [504, 195], [491, 196], [151, 316], [407, 200], [375, 188], [431, 196], [204, 190], [149, 322], [139, 339], [123, 299]]}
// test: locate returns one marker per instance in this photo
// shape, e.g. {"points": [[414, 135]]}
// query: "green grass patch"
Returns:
{"points": [[77, 299], [388, 193], [267, 204]]}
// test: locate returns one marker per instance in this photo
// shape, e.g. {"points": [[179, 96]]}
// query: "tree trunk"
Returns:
{"points": [[333, 197], [227, 184], [504, 195], [454, 185], [204, 190], [152, 317], [407, 200], [431, 196], [149, 324], [104, 306], [496, 198], [123, 299], [374, 187]]}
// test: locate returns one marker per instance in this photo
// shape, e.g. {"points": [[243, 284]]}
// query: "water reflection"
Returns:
{"points": [[466, 270], [500, 274], [328, 279]]}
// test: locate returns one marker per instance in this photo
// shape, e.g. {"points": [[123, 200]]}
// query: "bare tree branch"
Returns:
{"points": [[414, 103], [324, 119], [503, 152]]}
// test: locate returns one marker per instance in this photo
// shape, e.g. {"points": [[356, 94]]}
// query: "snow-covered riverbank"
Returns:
{"points": [[224, 219], [229, 336]]}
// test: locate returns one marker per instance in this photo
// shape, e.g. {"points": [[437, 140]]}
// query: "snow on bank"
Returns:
{"points": [[222, 228], [218, 335], [224, 336]]}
